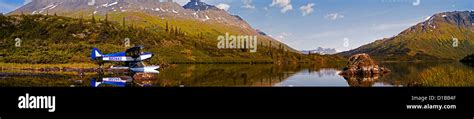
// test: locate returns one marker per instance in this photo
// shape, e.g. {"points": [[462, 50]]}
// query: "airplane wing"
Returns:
{"points": [[134, 52]]}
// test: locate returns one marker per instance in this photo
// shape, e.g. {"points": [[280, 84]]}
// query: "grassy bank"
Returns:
{"points": [[459, 76]]}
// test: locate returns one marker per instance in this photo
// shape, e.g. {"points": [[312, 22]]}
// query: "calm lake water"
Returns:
{"points": [[246, 75]]}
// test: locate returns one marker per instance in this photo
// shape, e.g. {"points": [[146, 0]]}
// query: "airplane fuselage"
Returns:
{"points": [[126, 58]]}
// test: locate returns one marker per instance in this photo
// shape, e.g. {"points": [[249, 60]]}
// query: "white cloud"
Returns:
{"points": [[26, 2], [248, 4], [223, 6], [334, 16], [284, 4], [286, 8], [416, 2], [307, 9]]}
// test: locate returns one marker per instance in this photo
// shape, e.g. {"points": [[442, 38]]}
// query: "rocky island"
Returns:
{"points": [[362, 64]]}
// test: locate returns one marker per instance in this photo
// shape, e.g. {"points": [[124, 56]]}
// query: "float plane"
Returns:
{"points": [[133, 58]]}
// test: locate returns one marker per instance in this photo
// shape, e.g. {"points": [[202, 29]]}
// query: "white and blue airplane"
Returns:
{"points": [[132, 57], [115, 81], [122, 81]]}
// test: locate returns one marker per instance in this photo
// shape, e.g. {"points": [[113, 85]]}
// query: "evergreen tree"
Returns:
{"points": [[106, 17], [123, 21], [270, 46], [167, 28], [271, 49], [93, 18], [176, 31], [80, 20], [201, 36], [280, 47]]}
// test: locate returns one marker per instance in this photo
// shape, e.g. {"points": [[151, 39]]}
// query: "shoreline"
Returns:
{"points": [[93, 65]]}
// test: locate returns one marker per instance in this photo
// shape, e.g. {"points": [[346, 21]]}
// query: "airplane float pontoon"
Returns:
{"points": [[115, 81], [122, 81], [132, 57]]}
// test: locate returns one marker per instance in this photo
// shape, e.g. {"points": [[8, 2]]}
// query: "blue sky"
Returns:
{"points": [[340, 24]]}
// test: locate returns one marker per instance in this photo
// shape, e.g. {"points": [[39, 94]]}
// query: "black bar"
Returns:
{"points": [[206, 99]]}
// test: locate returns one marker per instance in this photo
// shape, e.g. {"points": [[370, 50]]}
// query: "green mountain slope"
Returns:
{"points": [[57, 39], [444, 36]]}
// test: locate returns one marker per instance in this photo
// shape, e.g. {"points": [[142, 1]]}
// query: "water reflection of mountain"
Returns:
{"points": [[233, 75], [177, 75], [419, 74], [429, 74], [208, 75], [224, 75], [324, 72], [315, 77]]}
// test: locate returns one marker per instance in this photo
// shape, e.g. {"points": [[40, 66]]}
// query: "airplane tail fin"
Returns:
{"points": [[93, 82], [95, 53]]}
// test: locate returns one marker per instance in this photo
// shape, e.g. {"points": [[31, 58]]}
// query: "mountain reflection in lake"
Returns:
{"points": [[260, 75]]}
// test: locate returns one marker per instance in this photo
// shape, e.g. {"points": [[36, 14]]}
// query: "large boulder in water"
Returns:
{"points": [[362, 64]]}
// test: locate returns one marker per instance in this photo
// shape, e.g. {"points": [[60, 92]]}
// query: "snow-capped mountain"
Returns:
{"points": [[146, 13], [197, 5], [320, 50], [195, 9]]}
